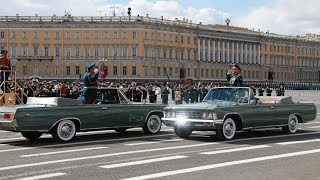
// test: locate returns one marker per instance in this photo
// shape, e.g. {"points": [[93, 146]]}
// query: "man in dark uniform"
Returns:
{"points": [[164, 94], [236, 79], [90, 84], [203, 92]]}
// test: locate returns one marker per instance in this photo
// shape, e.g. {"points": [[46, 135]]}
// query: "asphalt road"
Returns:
{"points": [[260, 154]]}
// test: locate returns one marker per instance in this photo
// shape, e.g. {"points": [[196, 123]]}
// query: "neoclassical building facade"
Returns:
{"points": [[152, 49]]}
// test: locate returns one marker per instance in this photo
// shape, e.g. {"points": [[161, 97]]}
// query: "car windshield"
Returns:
{"points": [[239, 95]]}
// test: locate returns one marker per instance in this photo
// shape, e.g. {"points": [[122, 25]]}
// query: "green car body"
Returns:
{"points": [[112, 111], [230, 109]]}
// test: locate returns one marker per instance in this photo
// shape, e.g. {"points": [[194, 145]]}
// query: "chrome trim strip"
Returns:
{"points": [[194, 120]]}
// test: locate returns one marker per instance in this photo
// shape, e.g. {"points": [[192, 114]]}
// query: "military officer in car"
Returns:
{"points": [[90, 83], [236, 79]]}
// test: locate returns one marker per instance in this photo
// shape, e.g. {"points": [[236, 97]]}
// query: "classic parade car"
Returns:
{"points": [[63, 117], [230, 109]]}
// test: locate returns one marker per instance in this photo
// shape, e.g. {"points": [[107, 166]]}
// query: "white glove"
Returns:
{"points": [[96, 70]]}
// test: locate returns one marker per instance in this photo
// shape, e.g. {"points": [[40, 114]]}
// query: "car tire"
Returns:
{"points": [[32, 136], [152, 125], [64, 131], [228, 130], [292, 125], [121, 130], [182, 132]]}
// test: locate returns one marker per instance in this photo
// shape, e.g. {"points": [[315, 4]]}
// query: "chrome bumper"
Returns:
{"points": [[8, 125], [194, 123]]}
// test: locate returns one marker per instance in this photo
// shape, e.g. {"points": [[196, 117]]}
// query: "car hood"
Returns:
{"points": [[201, 106]]}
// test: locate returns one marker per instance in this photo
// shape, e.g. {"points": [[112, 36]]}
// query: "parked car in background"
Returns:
{"points": [[230, 109], [63, 117]]}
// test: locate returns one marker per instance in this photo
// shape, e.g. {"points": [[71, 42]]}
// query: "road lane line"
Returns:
{"points": [[101, 156], [314, 127], [312, 123], [153, 142], [235, 149], [45, 176], [62, 152], [298, 142], [225, 164], [143, 162]]}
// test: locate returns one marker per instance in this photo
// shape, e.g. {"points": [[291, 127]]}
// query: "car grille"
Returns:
{"points": [[188, 115]]}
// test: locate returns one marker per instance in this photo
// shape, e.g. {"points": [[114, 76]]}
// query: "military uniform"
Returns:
{"points": [[236, 80], [90, 85], [203, 93], [164, 95]]}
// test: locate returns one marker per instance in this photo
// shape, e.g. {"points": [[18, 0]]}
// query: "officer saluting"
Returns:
{"points": [[236, 79], [90, 83]]}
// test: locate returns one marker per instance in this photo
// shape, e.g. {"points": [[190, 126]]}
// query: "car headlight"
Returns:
{"points": [[173, 114], [167, 114], [205, 115], [209, 115]]}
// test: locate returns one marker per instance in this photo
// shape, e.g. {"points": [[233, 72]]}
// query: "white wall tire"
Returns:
{"points": [[64, 131], [152, 125], [228, 130], [292, 126]]}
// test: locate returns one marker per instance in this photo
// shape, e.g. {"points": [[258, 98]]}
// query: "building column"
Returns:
{"points": [[232, 52], [241, 54], [204, 49], [246, 53], [218, 52], [250, 53], [223, 52], [228, 52], [237, 51], [209, 57], [214, 51], [259, 55], [199, 49]]}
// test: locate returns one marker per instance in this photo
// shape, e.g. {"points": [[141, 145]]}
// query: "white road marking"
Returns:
{"points": [[45, 176], [312, 123], [102, 156], [153, 142], [61, 152], [298, 142], [235, 149], [142, 162], [219, 165], [314, 127]]}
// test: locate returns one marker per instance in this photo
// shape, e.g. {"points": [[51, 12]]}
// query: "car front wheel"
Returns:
{"points": [[152, 125], [32, 136], [228, 130], [64, 131], [292, 126]]}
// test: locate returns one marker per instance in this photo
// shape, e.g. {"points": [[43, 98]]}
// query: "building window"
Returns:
{"points": [[96, 51], [68, 35], [146, 35], [170, 71], [207, 73], [115, 52], [57, 71], [13, 51], [202, 72], [124, 70], [57, 35], [164, 53], [24, 35], [124, 52], [87, 52], [77, 52], [68, 52], [165, 71], [35, 70], [124, 35], [106, 51], [165, 38], [115, 35], [46, 35], [115, 70], [35, 35], [35, 51], [96, 34], [68, 70], [134, 51], [13, 34], [46, 70], [57, 51], [134, 35], [46, 51], [77, 70], [77, 36], [158, 71], [87, 35], [134, 71], [24, 50], [24, 70], [176, 54], [146, 54], [106, 34]]}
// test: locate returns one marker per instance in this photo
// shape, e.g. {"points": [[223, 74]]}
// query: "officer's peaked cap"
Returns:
{"points": [[91, 65]]}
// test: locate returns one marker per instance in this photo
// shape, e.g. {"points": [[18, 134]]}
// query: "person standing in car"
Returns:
{"points": [[236, 79]]}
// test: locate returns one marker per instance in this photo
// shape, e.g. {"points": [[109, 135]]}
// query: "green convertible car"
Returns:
{"points": [[230, 109], [63, 117]]}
